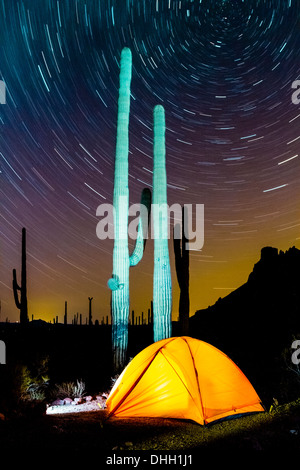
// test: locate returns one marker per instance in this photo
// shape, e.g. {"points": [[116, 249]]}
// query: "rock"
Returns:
{"points": [[79, 400], [68, 401], [58, 402]]}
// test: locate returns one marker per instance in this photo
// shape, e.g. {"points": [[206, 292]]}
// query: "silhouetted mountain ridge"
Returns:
{"points": [[254, 323], [274, 281]]}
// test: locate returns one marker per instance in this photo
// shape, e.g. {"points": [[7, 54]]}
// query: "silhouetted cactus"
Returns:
{"points": [[66, 313], [182, 270], [21, 302], [90, 310]]}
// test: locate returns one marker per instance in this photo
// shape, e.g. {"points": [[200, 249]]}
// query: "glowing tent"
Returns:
{"points": [[183, 378]]}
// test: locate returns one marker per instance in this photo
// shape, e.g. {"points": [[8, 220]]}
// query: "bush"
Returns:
{"points": [[114, 379], [70, 390], [30, 383]]}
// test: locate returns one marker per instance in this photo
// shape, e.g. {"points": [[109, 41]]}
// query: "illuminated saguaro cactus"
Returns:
{"points": [[162, 283], [119, 283]]}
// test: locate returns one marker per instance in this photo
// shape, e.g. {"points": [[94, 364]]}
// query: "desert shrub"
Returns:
{"points": [[30, 383], [113, 380], [38, 391], [70, 389], [115, 377]]}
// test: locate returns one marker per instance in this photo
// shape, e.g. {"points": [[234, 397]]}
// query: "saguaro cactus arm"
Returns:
{"points": [[21, 301], [140, 243], [16, 288]]}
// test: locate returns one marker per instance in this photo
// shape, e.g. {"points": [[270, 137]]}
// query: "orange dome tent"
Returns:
{"points": [[182, 378]]}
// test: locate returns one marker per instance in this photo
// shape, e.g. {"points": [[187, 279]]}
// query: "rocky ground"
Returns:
{"points": [[78, 429], [77, 405]]}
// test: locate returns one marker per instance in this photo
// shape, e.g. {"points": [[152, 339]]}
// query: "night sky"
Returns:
{"points": [[223, 70]]}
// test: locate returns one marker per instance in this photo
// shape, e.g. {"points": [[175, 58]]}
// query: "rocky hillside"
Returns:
{"points": [[254, 323]]}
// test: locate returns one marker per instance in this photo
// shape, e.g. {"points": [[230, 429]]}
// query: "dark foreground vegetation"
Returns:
{"points": [[77, 432], [41, 357], [256, 326]]}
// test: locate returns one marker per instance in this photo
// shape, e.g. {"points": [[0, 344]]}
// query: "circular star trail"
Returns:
{"points": [[223, 70]]}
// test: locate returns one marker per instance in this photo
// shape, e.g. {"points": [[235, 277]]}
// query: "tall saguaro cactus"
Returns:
{"points": [[162, 283], [21, 303], [182, 262], [119, 283]]}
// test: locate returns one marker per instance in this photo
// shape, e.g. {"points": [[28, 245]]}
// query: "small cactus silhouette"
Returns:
{"points": [[66, 313], [21, 302], [90, 310]]}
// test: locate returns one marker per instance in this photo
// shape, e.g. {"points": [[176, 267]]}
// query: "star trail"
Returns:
{"points": [[223, 70]]}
